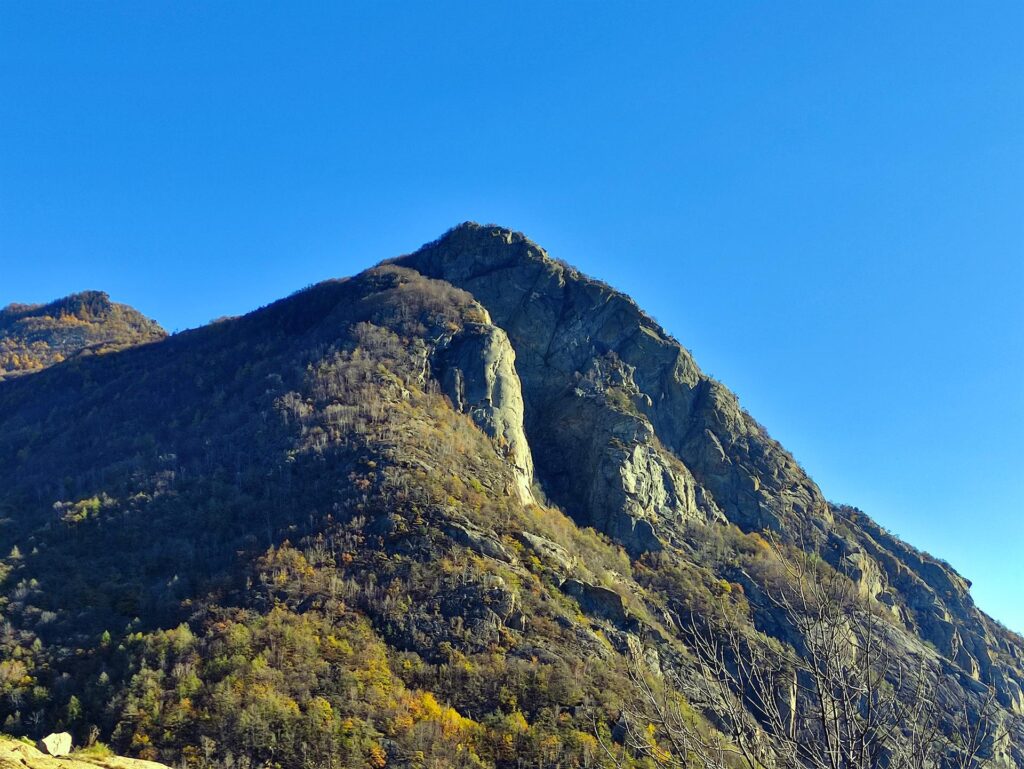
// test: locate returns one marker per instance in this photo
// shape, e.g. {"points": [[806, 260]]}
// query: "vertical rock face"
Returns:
{"points": [[604, 462], [476, 369]]}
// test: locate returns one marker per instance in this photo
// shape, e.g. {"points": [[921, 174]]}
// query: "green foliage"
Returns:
{"points": [[98, 750]]}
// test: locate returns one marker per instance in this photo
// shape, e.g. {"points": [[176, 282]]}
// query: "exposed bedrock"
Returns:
{"points": [[476, 369]]}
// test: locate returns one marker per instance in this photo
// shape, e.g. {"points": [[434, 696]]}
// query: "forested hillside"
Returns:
{"points": [[33, 337], [467, 508]]}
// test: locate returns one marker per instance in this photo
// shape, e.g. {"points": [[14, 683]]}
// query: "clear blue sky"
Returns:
{"points": [[824, 201]]}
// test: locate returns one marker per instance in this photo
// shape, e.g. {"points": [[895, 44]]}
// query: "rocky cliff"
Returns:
{"points": [[476, 369], [632, 438], [583, 347]]}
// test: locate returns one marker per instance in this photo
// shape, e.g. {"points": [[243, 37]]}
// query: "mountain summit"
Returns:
{"points": [[596, 369], [467, 508], [33, 337]]}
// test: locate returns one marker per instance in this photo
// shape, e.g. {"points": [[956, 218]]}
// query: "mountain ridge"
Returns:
{"points": [[442, 258]]}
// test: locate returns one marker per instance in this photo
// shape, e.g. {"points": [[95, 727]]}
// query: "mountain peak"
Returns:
{"points": [[469, 231], [578, 343], [88, 303], [35, 336], [471, 249]]}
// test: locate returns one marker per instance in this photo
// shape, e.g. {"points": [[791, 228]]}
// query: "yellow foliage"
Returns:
{"points": [[377, 757]]}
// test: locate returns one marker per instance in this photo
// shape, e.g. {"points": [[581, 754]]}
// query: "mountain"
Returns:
{"points": [[457, 510], [34, 336]]}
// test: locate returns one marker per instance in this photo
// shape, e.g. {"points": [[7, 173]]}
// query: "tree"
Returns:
{"points": [[840, 697]]}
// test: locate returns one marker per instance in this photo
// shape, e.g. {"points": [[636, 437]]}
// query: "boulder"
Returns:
{"points": [[17, 754], [56, 744], [548, 550], [478, 542], [598, 601]]}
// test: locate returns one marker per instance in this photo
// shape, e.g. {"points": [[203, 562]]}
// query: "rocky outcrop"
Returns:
{"points": [[484, 609], [933, 602], [476, 369], [603, 461], [475, 540], [548, 551], [598, 601], [604, 464], [16, 754]]}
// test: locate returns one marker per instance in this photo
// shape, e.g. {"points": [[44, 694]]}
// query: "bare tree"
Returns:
{"points": [[840, 697]]}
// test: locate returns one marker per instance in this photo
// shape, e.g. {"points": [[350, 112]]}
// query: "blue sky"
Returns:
{"points": [[823, 201]]}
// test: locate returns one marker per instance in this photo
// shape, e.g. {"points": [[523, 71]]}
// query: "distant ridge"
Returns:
{"points": [[36, 336]]}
